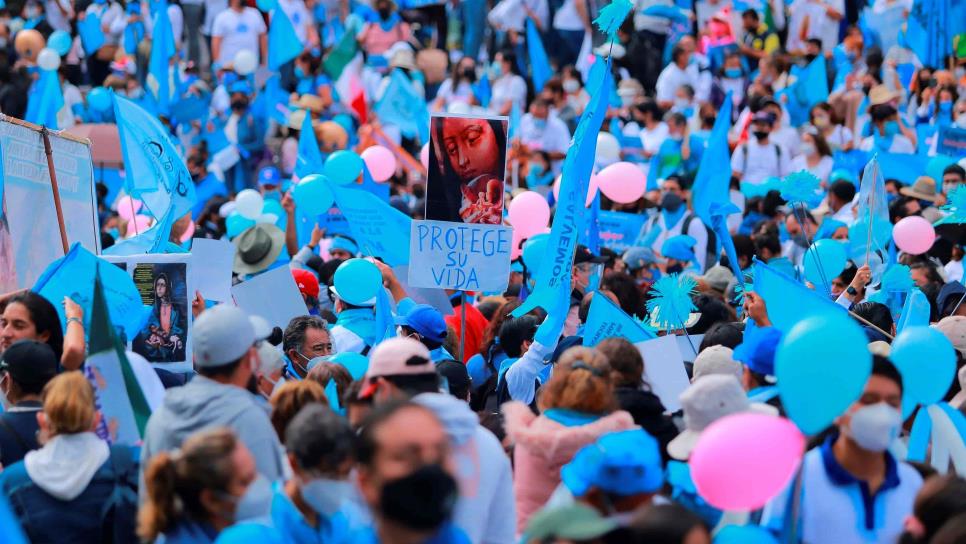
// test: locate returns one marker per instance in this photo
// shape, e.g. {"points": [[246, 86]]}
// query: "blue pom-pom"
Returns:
{"points": [[670, 303], [802, 187]]}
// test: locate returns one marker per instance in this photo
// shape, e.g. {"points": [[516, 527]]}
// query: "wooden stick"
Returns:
{"points": [[45, 134], [866, 321]]}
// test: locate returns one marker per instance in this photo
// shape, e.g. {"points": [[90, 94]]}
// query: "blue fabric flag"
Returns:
{"points": [[483, 91], [272, 102], [45, 100], [514, 128], [873, 209], [606, 319], [159, 64], [91, 35], [930, 29], [809, 88], [552, 290], [915, 311], [381, 190], [385, 324], [154, 171], [712, 182], [73, 275], [283, 43], [902, 166], [787, 300], [309, 159], [403, 107], [380, 230], [10, 530], [539, 63]]}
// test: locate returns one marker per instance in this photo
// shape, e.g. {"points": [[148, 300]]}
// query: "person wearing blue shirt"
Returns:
{"points": [[680, 153], [851, 489], [207, 186], [756, 353]]}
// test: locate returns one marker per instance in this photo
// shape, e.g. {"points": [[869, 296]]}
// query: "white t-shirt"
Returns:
{"points": [[238, 31], [839, 137], [762, 161], [900, 144], [652, 138], [212, 9], [510, 88], [554, 136], [300, 17], [820, 170], [567, 17], [56, 19], [672, 77]]}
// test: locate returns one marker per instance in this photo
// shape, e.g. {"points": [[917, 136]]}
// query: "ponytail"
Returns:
{"points": [[162, 507]]}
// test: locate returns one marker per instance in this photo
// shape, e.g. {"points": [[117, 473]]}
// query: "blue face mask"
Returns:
{"points": [[299, 72], [273, 195], [733, 73], [536, 169], [496, 70], [540, 123], [891, 128]]}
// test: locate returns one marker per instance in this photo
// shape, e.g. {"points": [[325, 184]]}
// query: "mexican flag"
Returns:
{"points": [[119, 397]]}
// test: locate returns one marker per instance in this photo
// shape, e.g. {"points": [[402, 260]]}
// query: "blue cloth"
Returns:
{"points": [[570, 418], [309, 159], [283, 44], [539, 63], [44, 100], [293, 528], [685, 493], [206, 189], [188, 532], [162, 49], [448, 534], [360, 321], [712, 181], [403, 107]]}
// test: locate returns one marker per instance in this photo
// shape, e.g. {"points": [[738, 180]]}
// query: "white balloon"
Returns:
{"points": [[249, 204], [267, 218], [608, 148], [48, 59], [245, 62]]}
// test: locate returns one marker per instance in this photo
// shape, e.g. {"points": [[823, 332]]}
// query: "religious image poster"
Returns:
{"points": [[467, 169]]}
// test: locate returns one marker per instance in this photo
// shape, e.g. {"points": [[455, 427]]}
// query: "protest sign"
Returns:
{"points": [[467, 165], [607, 320], [467, 257], [272, 295], [211, 264], [334, 222], [434, 297], [29, 235], [952, 142], [165, 283], [380, 230], [664, 370], [619, 230]]}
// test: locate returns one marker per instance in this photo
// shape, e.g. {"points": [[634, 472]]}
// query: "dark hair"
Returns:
{"points": [[676, 52], [294, 335], [955, 169], [771, 202], [727, 334], [366, 446], [515, 331], [951, 532], [751, 13], [625, 288], [744, 246], [876, 313], [664, 524], [770, 242], [626, 363], [931, 274], [318, 437], [821, 145], [648, 105], [414, 384], [586, 302], [713, 311], [492, 331], [883, 367], [843, 190], [940, 499], [327, 270], [44, 316]]}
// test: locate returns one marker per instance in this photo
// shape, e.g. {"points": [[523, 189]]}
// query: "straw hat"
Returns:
{"points": [[403, 58], [880, 94], [924, 189], [310, 102], [432, 63]]}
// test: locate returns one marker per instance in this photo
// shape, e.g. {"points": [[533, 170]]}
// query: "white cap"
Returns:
{"points": [[221, 335], [716, 359]]}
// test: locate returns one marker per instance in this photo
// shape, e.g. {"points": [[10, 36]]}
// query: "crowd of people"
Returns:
{"points": [[472, 424]]}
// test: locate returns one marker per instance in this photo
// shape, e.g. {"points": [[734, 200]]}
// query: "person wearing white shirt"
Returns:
{"points": [[671, 221], [653, 131], [757, 160], [59, 13], [302, 21], [571, 23], [509, 88], [540, 130], [213, 8], [679, 72], [815, 156], [839, 201], [887, 135], [238, 28]]}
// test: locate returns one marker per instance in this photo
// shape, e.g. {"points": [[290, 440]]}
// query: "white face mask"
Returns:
{"points": [[874, 427], [326, 496], [961, 121], [571, 86]]}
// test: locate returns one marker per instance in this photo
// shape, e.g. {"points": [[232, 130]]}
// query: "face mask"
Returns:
{"points": [[239, 105], [733, 73], [891, 128], [384, 13], [820, 121], [469, 73], [808, 149], [536, 169], [540, 124], [760, 134], [571, 86], [496, 70], [800, 239], [32, 12], [256, 502], [671, 202], [422, 500], [681, 103], [708, 120], [326, 496], [627, 101], [299, 72], [874, 427], [675, 269]]}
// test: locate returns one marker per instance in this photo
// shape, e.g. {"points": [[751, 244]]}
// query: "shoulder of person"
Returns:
{"points": [[13, 478]]}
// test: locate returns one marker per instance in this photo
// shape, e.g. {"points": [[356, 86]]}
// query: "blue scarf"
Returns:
{"points": [[360, 321]]}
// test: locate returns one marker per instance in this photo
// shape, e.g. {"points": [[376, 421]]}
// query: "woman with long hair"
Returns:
{"points": [[29, 316]]}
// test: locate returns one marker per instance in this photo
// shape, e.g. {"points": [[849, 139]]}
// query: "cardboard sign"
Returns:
{"points": [[211, 268], [272, 295], [619, 230], [664, 370], [466, 257]]}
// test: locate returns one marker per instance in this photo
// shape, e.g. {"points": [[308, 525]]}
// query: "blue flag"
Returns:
{"points": [[930, 29], [74, 275], [381, 190], [712, 182], [809, 88], [483, 91], [380, 230], [514, 128], [159, 64], [283, 43], [915, 311], [45, 100], [787, 300], [309, 159], [154, 171], [552, 290], [91, 35], [605, 320], [272, 102], [903, 166], [403, 107], [539, 63]]}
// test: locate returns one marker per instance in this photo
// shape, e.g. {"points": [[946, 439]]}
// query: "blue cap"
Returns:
{"points": [[828, 228], [239, 87], [343, 243], [425, 320], [269, 175], [638, 257], [841, 173], [516, 266], [679, 248], [757, 351], [622, 463]]}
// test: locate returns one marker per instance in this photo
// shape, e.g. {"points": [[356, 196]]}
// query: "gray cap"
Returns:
{"points": [[716, 360], [718, 278], [221, 335]]}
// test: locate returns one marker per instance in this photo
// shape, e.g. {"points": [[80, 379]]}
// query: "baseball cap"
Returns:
{"points": [[584, 255], [455, 373], [396, 357], [757, 350], [717, 277], [307, 282], [572, 522], [949, 295], [679, 247], [426, 320], [637, 258], [716, 360], [622, 463], [706, 401], [29, 362], [269, 175], [221, 335]]}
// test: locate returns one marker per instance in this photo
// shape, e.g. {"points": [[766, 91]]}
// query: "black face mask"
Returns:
{"points": [[239, 105], [384, 13], [422, 500], [671, 202], [866, 88], [810, 57], [708, 120], [469, 73], [760, 134], [675, 269]]}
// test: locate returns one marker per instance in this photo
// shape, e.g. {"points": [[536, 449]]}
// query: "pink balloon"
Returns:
{"points": [[127, 207], [914, 235], [139, 224], [743, 460], [424, 156], [188, 232], [590, 193], [380, 162], [529, 212], [622, 182]]}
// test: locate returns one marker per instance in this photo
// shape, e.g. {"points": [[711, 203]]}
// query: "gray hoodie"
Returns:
{"points": [[204, 403]]}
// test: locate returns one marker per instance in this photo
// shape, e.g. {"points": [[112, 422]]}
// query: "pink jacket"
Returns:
{"points": [[543, 446]]}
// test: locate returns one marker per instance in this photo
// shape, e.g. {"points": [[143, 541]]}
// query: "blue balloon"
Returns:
{"points": [[357, 281], [235, 224], [927, 361], [343, 167], [313, 196], [832, 257], [99, 99], [821, 364], [355, 363], [744, 534], [275, 207], [59, 41], [859, 237], [533, 251]]}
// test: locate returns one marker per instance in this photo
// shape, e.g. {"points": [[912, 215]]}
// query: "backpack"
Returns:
{"points": [[744, 156], [711, 248]]}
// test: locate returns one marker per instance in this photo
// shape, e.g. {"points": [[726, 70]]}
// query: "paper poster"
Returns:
{"points": [[619, 230], [165, 283], [952, 142], [29, 234], [467, 168], [605, 319], [664, 370], [466, 257], [211, 268], [272, 295]]}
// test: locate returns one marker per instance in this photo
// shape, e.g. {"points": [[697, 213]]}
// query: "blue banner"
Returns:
{"points": [[618, 230], [159, 64], [606, 319], [952, 141], [539, 63], [378, 228]]}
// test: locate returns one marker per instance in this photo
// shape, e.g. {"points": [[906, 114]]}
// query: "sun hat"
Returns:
{"points": [[924, 189], [257, 247], [717, 277]]}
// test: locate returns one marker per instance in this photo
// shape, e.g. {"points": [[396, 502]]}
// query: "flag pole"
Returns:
{"points": [[462, 324], [45, 134]]}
